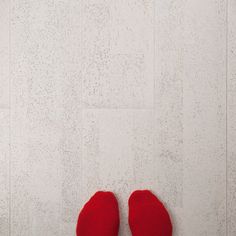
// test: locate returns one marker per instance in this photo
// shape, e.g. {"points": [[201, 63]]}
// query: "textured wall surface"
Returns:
{"points": [[117, 95]]}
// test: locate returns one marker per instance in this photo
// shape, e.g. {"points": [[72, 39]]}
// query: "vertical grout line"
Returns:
{"points": [[226, 115], [154, 81], [154, 53], [9, 124], [226, 108], [81, 102], [154, 78]]}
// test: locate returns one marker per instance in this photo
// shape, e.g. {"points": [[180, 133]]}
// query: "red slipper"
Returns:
{"points": [[147, 215], [99, 216]]}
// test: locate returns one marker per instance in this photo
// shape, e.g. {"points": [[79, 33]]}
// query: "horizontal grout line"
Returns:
{"points": [[86, 106], [2, 107], [98, 108], [115, 108]]}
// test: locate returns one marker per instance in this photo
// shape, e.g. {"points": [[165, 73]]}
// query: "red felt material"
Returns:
{"points": [[147, 215], [99, 216]]}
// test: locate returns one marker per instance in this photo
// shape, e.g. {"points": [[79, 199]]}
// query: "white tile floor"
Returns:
{"points": [[117, 95]]}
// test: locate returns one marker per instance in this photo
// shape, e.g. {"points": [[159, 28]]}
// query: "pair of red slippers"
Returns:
{"points": [[147, 216]]}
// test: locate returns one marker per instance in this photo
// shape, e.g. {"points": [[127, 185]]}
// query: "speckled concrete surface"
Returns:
{"points": [[231, 137], [117, 95]]}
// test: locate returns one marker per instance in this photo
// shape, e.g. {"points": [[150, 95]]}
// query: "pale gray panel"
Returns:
{"points": [[117, 39], [4, 173], [45, 121], [204, 110], [231, 135], [117, 154], [4, 53], [4, 119], [168, 113]]}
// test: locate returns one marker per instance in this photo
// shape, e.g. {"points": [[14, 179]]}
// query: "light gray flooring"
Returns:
{"points": [[117, 95]]}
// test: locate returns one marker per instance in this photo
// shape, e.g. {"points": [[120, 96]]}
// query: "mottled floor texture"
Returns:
{"points": [[117, 95]]}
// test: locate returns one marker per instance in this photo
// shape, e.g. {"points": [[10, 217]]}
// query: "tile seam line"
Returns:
{"points": [[9, 125], [226, 109]]}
